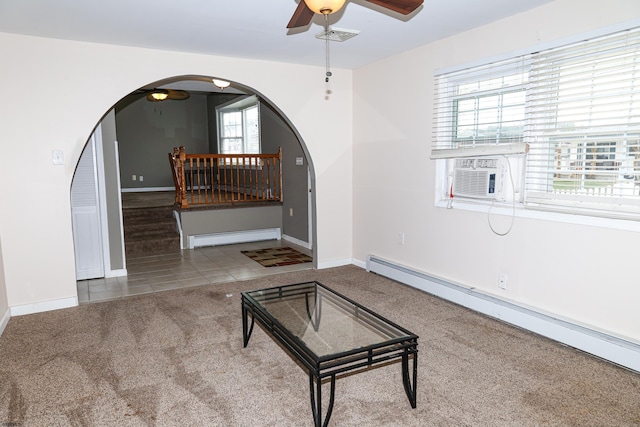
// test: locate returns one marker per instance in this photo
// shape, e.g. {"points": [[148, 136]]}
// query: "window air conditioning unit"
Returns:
{"points": [[478, 178]]}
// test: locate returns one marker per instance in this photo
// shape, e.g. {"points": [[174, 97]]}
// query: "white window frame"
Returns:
{"points": [[242, 107], [443, 172], [496, 80]]}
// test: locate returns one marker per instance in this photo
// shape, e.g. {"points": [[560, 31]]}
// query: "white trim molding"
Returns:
{"points": [[38, 307], [4, 320], [335, 263], [295, 241], [605, 346], [115, 273]]}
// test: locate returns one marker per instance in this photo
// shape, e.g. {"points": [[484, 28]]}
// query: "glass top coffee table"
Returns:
{"points": [[330, 335]]}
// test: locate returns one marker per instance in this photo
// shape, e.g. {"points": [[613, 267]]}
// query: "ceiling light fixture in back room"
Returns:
{"points": [[221, 83], [159, 95]]}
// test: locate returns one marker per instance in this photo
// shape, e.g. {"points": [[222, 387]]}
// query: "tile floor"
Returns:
{"points": [[180, 269]]}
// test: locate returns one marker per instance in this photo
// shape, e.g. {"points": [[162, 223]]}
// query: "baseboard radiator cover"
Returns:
{"points": [[233, 237], [614, 349]]}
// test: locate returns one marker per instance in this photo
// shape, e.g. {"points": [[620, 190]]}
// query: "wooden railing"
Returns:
{"points": [[216, 179]]}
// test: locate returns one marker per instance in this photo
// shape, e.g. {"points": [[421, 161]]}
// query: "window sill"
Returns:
{"points": [[506, 209]]}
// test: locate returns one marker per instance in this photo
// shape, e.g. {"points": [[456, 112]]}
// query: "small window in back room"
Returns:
{"points": [[239, 127]]}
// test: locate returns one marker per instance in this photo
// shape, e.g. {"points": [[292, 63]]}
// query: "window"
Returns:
{"points": [[578, 109], [481, 106], [489, 118], [239, 127], [584, 126]]}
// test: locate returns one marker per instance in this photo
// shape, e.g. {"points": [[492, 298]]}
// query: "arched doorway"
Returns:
{"points": [[134, 118]]}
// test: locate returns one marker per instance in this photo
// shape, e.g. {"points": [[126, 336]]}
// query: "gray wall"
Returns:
{"points": [[112, 190], [148, 131], [276, 133]]}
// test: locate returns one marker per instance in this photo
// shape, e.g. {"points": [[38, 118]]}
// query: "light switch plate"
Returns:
{"points": [[57, 157]]}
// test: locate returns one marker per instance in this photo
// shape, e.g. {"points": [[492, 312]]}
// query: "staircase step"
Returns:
{"points": [[151, 245], [169, 227], [150, 229], [150, 233], [143, 214]]}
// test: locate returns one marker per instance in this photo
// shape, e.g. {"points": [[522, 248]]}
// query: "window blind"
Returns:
{"points": [[583, 126], [479, 106]]}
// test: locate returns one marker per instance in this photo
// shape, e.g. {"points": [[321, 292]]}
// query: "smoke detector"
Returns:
{"points": [[337, 34]]}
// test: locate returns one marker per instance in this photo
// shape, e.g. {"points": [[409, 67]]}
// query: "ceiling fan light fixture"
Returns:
{"points": [[325, 7], [221, 83], [160, 94]]}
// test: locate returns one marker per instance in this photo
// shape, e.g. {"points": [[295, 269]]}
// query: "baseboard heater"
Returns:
{"points": [[233, 237], [608, 347]]}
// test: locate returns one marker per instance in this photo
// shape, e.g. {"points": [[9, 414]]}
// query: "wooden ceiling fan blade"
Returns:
{"points": [[301, 17], [404, 7], [178, 95]]}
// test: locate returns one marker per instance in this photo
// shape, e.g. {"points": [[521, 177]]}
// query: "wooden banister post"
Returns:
{"points": [[183, 180], [174, 175]]}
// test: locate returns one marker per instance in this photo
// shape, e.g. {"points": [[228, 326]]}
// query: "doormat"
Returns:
{"points": [[277, 257]]}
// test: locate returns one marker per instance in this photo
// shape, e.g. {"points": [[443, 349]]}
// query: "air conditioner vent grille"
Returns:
{"points": [[337, 34], [479, 178]]}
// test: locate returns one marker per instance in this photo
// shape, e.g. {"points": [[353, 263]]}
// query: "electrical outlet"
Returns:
{"points": [[290, 211], [141, 178], [401, 239], [133, 177], [502, 281]]}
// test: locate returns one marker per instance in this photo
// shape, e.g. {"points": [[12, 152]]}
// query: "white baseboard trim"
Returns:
{"points": [[116, 273], [295, 241], [335, 263], [234, 237], [359, 263], [4, 320], [605, 346], [38, 307], [176, 215]]}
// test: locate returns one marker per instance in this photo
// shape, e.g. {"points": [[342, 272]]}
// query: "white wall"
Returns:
{"points": [[582, 273], [56, 91], [4, 304]]}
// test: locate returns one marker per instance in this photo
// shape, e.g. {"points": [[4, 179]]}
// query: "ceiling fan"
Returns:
{"points": [[307, 8], [157, 95]]}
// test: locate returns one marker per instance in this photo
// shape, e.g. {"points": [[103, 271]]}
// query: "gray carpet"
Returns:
{"points": [[176, 358]]}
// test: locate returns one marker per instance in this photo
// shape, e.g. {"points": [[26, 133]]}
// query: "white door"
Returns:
{"points": [[85, 214]]}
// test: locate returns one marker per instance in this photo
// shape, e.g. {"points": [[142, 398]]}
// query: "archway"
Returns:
{"points": [[300, 199]]}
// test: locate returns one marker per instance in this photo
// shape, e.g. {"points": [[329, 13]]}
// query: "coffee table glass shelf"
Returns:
{"points": [[330, 335]]}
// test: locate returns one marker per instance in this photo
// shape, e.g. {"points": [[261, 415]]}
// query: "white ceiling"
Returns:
{"points": [[253, 29]]}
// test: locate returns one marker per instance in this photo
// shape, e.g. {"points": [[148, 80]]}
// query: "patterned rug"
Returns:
{"points": [[277, 257]]}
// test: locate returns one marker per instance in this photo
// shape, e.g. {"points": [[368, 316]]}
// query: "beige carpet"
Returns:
{"points": [[176, 358]]}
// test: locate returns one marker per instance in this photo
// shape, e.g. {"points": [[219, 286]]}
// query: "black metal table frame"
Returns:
{"points": [[329, 366]]}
